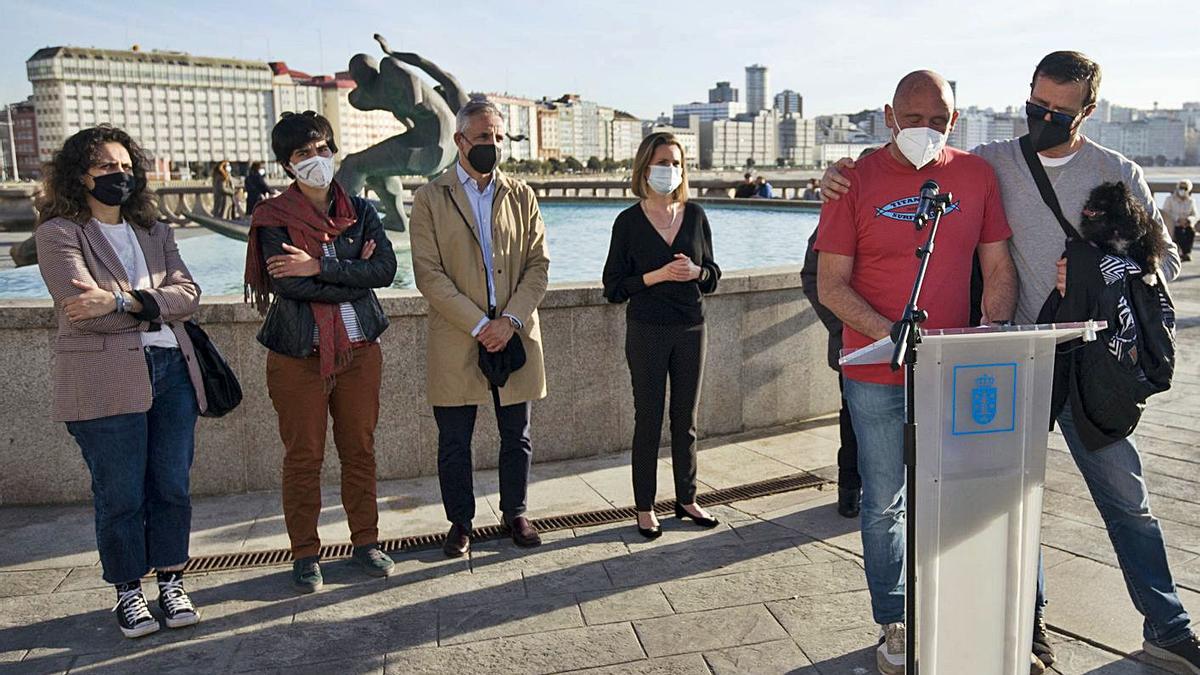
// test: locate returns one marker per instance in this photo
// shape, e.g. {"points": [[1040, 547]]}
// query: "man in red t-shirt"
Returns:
{"points": [[866, 267]]}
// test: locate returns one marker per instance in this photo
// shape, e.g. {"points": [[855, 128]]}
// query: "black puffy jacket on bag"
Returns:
{"points": [[288, 326], [1107, 381]]}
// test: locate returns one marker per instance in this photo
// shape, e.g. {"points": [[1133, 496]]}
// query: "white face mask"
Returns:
{"points": [[262, 172], [664, 179], [919, 145], [315, 172], [1182, 193]]}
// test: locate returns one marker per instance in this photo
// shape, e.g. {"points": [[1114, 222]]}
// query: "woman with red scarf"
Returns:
{"points": [[314, 255]]}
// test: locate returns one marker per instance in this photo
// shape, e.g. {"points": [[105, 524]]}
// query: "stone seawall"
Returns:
{"points": [[766, 366]]}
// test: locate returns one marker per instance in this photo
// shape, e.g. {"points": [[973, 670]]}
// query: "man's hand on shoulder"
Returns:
{"points": [[833, 183]]}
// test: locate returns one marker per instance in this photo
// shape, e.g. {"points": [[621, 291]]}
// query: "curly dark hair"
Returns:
{"points": [[64, 194]]}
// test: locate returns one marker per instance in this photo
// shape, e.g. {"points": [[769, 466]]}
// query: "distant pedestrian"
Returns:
{"points": [[126, 380], [256, 186], [762, 188], [812, 193], [223, 192], [1179, 212], [660, 260], [746, 188]]}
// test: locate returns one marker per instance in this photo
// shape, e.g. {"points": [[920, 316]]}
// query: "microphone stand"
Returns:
{"points": [[905, 354]]}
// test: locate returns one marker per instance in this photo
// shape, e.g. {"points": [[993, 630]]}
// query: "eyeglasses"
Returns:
{"points": [[1061, 119]]}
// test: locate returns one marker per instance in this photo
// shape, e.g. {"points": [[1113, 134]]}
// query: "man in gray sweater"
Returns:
{"points": [[1063, 94]]}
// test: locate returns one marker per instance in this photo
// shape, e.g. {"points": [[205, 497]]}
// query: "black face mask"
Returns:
{"points": [[484, 158], [1045, 135], [114, 189]]}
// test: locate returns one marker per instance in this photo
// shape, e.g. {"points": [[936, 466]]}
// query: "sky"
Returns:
{"points": [[642, 56]]}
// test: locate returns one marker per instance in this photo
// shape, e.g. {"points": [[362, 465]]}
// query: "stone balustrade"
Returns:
{"points": [[766, 366]]}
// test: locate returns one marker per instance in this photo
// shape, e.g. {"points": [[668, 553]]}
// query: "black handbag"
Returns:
{"points": [[221, 386]]}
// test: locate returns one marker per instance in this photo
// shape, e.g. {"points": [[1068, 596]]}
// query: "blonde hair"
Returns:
{"points": [[641, 165]]}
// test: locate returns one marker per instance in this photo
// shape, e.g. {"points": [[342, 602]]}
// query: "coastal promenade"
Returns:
{"points": [[777, 588]]}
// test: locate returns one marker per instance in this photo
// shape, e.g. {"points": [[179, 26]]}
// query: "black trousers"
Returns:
{"points": [[1184, 238], [847, 457], [656, 354], [456, 424]]}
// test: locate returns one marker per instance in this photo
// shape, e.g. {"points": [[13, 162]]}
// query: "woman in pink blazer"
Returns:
{"points": [[126, 380]]}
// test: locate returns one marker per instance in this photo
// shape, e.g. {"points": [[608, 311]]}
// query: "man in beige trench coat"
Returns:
{"points": [[479, 251]]}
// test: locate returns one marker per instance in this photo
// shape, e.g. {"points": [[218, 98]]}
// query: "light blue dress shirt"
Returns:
{"points": [[481, 207]]}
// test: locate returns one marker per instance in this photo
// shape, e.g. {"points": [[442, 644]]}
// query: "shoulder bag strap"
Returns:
{"points": [[1043, 184]]}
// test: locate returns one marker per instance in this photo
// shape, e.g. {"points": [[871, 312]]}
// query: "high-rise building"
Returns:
{"points": [[548, 148], [626, 136], [293, 91], [722, 93], [757, 86], [182, 109], [688, 138], [24, 136], [798, 140], [788, 102], [520, 119], [737, 143], [682, 112]]}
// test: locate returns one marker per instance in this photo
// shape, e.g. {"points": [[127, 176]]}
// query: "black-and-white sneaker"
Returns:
{"points": [[177, 608], [1184, 654], [133, 614]]}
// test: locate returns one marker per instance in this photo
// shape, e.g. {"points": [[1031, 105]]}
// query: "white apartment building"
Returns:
{"points": [[520, 119], [182, 109], [730, 143], [626, 136], [292, 91], [723, 110], [798, 140], [688, 138]]}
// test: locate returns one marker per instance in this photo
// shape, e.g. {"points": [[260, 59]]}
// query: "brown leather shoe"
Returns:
{"points": [[523, 534], [458, 542]]}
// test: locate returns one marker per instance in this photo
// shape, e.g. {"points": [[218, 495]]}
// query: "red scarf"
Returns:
{"points": [[308, 228]]}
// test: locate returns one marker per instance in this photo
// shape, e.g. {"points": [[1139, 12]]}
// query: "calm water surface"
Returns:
{"points": [[577, 235]]}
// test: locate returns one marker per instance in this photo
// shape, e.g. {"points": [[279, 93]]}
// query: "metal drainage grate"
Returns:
{"points": [[234, 561]]}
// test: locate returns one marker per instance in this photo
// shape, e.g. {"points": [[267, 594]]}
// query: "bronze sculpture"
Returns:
{"points": [[425, 149]]}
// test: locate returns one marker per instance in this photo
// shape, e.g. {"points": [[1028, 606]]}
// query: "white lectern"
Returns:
{"points": [[983, 417]]}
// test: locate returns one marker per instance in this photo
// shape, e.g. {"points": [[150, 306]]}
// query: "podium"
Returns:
{"points": [[982, 399]]}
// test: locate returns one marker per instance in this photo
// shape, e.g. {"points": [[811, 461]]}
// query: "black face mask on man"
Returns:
{"points": [[484, 157], [114, 189]]}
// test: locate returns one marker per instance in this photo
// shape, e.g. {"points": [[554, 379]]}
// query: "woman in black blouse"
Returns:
{"points": [[661, 261]]}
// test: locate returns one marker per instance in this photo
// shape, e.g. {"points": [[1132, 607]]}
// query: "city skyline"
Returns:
{"points": [[524, 52]]}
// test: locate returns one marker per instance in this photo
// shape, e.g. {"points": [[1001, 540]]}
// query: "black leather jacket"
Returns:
{"points": [[288, 327]]}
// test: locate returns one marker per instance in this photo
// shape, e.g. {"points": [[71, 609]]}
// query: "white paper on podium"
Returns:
{"points": [[983, 418]]}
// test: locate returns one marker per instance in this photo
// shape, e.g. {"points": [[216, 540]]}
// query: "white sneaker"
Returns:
{"points": [[890, 655]]}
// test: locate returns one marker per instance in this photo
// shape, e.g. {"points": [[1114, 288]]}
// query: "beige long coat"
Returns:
{"points": [[450, 274]]}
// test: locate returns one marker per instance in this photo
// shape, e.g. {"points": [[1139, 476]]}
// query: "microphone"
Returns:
{"points": [[929, 193]]}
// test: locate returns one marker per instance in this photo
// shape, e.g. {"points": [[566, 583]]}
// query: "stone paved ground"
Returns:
{"points": [[778, 587]]}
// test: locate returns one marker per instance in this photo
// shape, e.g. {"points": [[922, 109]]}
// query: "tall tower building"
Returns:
{"points": [[788, 102], [757, 86], [722, 93]]}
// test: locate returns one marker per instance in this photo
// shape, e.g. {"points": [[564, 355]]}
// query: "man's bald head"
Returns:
{"points": [[922, 84]]}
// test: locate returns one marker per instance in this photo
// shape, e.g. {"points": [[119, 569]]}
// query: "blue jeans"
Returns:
{"points": [[877, 413], [139, 464], [1114, 477]]}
